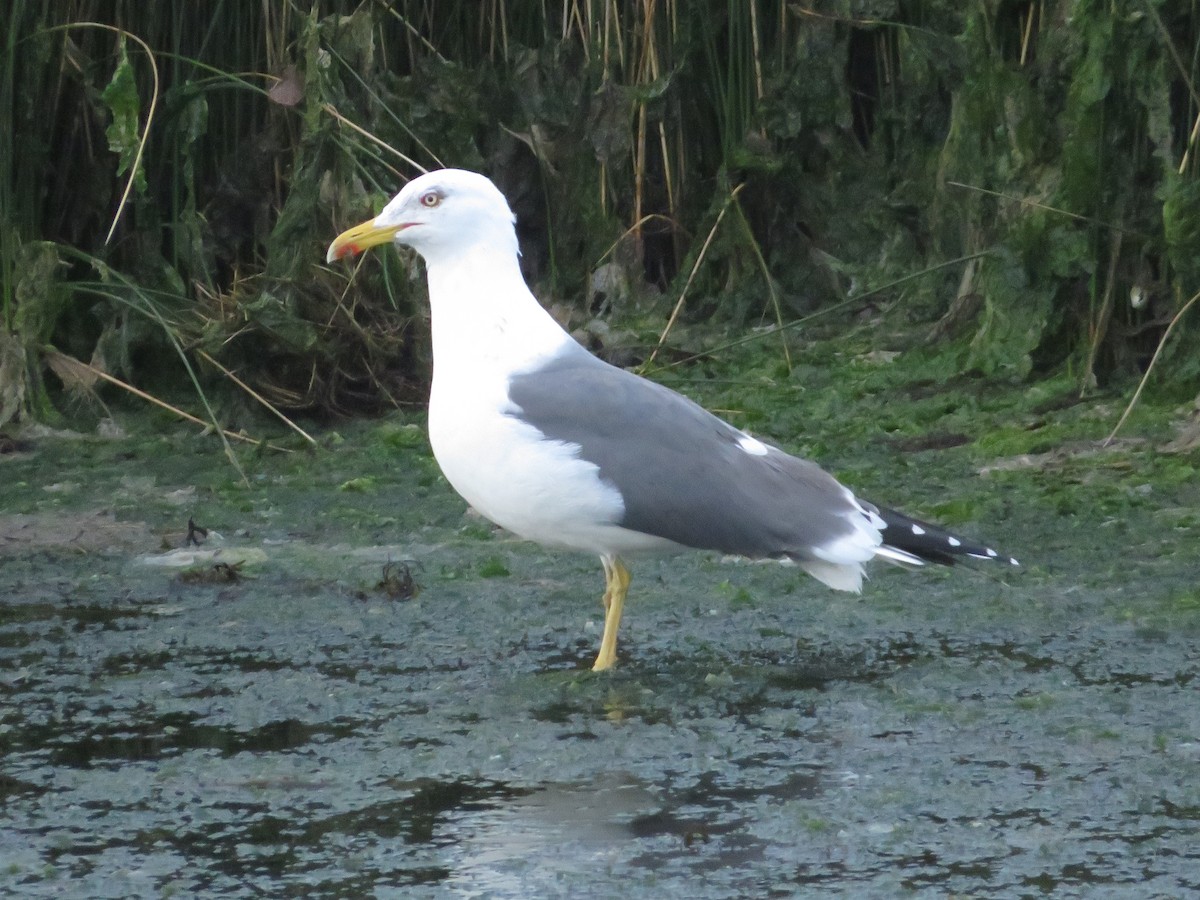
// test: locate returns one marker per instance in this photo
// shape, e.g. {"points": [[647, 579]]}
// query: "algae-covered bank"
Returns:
{"points": [[350, 687]]}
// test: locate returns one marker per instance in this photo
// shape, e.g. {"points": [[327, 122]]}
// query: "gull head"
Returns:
{"points": [[440, 214]]}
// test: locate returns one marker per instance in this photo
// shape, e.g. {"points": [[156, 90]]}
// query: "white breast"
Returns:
{"points": [[486, 327]]}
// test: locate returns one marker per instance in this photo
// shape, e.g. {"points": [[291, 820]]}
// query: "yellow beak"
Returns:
{"points": [[354, 241]]}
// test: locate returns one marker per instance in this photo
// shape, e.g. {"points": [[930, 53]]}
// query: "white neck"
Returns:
{"points": [[484, 317]]}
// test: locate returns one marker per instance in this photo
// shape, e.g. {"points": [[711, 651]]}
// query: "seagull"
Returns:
{"points": [[563, 449]]}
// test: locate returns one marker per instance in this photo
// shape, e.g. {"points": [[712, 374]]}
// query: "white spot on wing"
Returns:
{"points": [[954, 542], [917, 529], [753, 446]]}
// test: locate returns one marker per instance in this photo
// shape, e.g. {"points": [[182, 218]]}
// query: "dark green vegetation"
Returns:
{"points": [[1023, 174], [298, 723]]}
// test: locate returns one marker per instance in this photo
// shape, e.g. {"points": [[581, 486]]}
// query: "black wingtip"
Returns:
{"points": [[933, 543]]}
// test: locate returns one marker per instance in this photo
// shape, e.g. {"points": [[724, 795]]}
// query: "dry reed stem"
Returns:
{"points": [[1100, 323], [1025, 201], [771, 292], [1191, 142], [415, 32], [162, 404], [634, 229], [331, 110], [1185, 76], [825, 310], [261, 399], [695, 268], [1027, 33], [756, 42], [137, 159], [1150, 368]]}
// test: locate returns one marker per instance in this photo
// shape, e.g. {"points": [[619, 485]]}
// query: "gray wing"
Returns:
{"points": [[680, 470]]}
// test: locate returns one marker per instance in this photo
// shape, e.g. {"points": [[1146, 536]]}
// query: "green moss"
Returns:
{"points": [[1039, 701], [815, 826], [738, 595], [402, 436], [476, 531], [493, 567]]}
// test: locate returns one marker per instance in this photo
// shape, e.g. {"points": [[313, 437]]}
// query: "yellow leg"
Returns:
{"points": [[616, 584]]}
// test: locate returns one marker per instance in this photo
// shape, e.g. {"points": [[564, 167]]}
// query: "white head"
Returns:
{"points": [[442, 213]]}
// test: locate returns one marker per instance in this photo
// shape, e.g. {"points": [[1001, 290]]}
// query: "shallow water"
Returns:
{"points": [[287, 727]]}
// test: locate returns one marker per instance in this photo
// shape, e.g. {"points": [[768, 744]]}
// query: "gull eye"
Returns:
{"points": [[430, 199]]}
